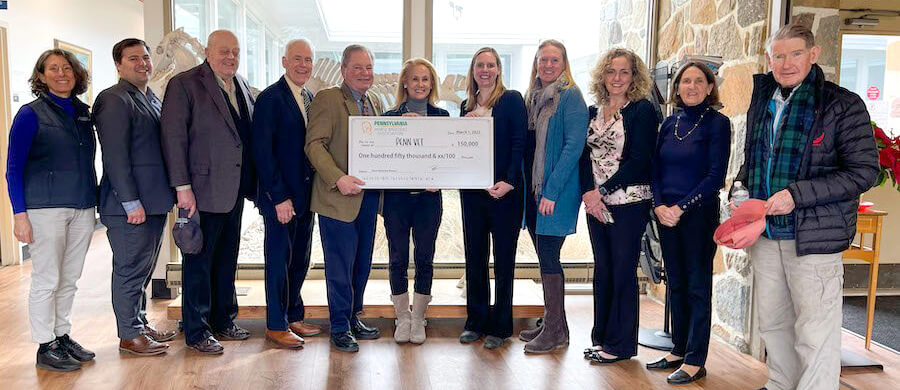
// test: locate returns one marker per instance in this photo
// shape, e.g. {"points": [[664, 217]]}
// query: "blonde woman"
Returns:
{"points": [[557, 119], [494, 213], [615, 181], [413, 211]]}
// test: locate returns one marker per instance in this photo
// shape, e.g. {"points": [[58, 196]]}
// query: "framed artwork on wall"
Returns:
{"points": [[84, 56]]}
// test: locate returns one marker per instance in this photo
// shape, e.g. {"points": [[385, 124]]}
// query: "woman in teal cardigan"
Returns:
{"points": [[557, 123]]}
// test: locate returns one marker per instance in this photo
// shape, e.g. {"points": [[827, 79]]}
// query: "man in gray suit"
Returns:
{"points": [[206, 131], [134, 193]]}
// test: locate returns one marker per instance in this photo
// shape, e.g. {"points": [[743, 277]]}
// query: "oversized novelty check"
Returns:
{"points": [[422, 152]]}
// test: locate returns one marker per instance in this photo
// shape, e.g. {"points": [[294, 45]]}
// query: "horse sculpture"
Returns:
{"points": [[176, 53]]}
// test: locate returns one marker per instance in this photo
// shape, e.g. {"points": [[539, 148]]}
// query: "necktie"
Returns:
{"points": [[307, 101], [365, 108]]}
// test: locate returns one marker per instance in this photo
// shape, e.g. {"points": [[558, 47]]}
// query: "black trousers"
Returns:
{"points": [[548, 248], [688, 250], [486, 219], [288, 247], [419, 213], [135, 249], [616, 248], [209, 302]]}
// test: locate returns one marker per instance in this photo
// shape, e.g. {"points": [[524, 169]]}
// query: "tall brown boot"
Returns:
{"points": [[556, 329]]}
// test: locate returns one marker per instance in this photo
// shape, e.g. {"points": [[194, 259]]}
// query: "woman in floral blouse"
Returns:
{"points": [[615, 182]]}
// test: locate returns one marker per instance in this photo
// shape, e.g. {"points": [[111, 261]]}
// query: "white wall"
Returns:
{"points": [[92, 24]]}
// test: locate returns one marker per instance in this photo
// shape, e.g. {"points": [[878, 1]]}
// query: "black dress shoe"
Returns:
{"points": [[663, 364], [344, 341], [595, 357], [591, 350], [363, 332], [233, 332], [681, 378], [469, 336], [209, 346], [55, 358], [74, 349]]}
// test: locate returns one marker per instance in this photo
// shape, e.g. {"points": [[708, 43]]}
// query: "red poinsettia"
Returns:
{"points": [[888, 156]]}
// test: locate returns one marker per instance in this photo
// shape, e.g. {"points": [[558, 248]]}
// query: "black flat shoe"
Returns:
{"points": [[663, 364], [682, 378], [74, 349], [595, 358], [233, 332], [344, 341], [591, 350], [469, 336], [362, 331]]}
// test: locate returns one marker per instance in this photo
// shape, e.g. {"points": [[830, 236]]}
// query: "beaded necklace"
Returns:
{"points": [[678, 119]]}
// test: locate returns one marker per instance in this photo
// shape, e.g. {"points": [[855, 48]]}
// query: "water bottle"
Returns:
{"points": [[739, 193]]}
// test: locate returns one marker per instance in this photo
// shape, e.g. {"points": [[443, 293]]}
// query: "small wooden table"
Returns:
{"points": [[868, 223]]}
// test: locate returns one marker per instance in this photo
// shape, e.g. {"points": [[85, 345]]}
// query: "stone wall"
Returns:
{"points": [[624, 24], [825, 24], [735, 30]]}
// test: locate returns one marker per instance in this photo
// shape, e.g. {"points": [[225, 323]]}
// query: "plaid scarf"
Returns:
{"points": [[777, 151]]}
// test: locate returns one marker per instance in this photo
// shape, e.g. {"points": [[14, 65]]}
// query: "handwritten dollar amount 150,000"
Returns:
{"points": [[467, 144]]}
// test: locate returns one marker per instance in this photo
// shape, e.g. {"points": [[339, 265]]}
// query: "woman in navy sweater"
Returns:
{"points": [[495, 212], [615, 183], [688, 170], [53, 189], [415, 211]]}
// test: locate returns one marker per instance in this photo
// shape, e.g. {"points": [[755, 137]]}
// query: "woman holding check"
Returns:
{"points": [[413, 211], [557, 119], [615, 182], [495, 212]]}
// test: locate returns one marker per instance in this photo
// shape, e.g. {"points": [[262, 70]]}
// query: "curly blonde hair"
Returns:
{"points": [[640, 76]]}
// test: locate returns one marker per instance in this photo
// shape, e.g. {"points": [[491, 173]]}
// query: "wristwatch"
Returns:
{"points": [[602, 190]]}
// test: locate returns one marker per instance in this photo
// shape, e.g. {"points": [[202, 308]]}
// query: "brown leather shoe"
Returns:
{"points": [[158, 335], [142, 345], [303, 329], [284, 338]]}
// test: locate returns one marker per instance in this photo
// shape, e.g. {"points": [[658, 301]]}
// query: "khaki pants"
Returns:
{"points": [[799, 300], [61, 240]]}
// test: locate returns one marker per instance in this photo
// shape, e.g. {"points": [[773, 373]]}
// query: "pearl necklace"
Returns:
{"points": [[678, 119]]}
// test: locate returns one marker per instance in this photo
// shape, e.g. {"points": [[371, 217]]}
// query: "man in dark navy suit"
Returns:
{"points": [[285, 183], [134, 192]]}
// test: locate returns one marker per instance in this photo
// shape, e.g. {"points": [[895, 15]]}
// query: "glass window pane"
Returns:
{"points": [[252, 51], [228, 16], [870, 67], [191, 16]]}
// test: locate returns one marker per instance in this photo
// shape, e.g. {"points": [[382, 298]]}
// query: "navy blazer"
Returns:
{"points": [[510, 124], [279, 135], [128, 126]]}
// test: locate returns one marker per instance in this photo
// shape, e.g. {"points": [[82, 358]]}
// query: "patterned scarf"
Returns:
{"points": [[777, 151], [542, 103]]}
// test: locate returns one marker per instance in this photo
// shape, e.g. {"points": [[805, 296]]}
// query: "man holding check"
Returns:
{"points": [[346, 211]]}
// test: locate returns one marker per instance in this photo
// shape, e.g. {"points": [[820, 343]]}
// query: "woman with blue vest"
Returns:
{"points": [[53, 189], [615, 181], [688, 170], [557, 120], [413, 211], [494, 213]]}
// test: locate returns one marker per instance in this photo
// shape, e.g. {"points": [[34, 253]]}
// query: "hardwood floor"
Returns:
{"points": [[441, 363]]}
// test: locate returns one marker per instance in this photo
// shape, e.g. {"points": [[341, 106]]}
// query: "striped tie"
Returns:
{"points": [[365, 107], [307, 101]]}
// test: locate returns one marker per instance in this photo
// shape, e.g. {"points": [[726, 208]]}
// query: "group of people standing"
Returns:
{"points": [[210, 144]]}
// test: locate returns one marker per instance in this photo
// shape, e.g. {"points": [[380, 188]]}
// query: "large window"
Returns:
{"points": [[191, 15], [252, 53], [870, 67], [227, 15]]}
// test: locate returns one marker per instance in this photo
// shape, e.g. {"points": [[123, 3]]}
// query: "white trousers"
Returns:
{"points": [[61, 240], [799, 300]]}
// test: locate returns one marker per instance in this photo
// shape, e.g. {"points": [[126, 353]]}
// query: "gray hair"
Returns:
{"points": [[292, 42], [345, 57], [792, 30]]}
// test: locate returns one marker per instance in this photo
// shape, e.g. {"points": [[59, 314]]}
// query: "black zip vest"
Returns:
{"points": [[60, 169]]}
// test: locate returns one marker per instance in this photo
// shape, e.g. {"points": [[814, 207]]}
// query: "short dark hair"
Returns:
{"points": [[82, 78], [713, 98], [124, 44]]}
